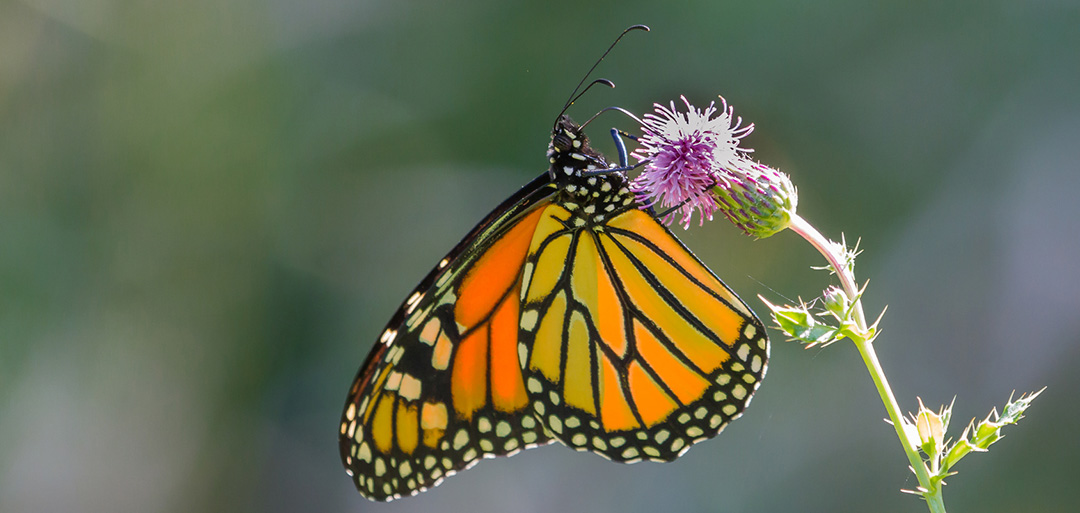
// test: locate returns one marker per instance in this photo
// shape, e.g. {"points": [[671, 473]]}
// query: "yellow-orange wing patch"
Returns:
{"points": [[442, 389], [633, 348]]}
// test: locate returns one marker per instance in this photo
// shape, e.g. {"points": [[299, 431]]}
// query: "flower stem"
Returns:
{"points": [[930, 492]]}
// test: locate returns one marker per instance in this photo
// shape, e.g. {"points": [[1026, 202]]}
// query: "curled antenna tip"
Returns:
{"points": [[575, 95], [582, 93], [618, 109]]}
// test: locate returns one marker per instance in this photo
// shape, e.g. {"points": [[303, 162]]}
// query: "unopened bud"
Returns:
{"points": [[758, 199]]}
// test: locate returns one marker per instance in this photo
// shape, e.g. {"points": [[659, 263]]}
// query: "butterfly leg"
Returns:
{"points": [[624, 157]]}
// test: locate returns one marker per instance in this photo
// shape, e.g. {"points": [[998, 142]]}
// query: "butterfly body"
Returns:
{"points": [[569, 314]]}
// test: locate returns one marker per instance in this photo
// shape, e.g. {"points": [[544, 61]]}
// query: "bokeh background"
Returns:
{"points": [[208, 209]]}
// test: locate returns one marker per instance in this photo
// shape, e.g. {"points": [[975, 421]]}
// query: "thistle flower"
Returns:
{"points": [[694, 162]]}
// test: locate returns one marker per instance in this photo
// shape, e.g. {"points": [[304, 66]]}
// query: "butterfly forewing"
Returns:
{"points": [[442, 388]]}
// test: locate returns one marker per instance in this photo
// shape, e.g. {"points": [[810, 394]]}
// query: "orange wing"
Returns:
{"points": [[442, 388], [634, 349]]}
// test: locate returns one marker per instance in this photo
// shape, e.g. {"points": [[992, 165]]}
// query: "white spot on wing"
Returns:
{"points": [[529, 318]]}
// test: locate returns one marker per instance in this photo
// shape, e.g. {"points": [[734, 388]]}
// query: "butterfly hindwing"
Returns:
{"points": [[633, 348]]}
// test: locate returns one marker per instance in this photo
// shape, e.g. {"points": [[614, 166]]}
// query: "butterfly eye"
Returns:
{"points": [[562, 142]]}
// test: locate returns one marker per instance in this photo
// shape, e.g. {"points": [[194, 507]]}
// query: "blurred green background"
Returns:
{"points": [[208, 209]]}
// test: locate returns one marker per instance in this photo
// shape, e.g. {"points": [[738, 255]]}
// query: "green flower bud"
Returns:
{"points": [[931, 431], [758, 199], [836, 301]]}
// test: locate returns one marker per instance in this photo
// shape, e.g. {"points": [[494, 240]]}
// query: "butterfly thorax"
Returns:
{"points": [[591, 197]]}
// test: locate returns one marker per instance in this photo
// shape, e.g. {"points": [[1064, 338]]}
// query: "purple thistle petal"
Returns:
{"points": [[687, 153], [693, 162]]}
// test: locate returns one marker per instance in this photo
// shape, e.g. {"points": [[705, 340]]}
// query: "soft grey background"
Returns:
{"points": [[208, 209]]}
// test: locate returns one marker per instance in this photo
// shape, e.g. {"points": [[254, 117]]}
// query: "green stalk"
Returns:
{"points": [[932, 494]]}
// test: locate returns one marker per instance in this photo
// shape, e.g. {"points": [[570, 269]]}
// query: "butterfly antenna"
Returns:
{"points": [[583, 91], [574, 95], [605, 109]]}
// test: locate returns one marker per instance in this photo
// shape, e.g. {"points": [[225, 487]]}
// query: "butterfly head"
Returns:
{"points": [[569, 152]]}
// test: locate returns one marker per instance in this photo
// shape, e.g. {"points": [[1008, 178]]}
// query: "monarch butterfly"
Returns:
{"points": [[569, 313]]}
